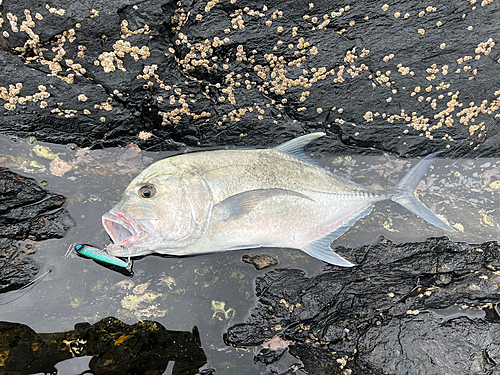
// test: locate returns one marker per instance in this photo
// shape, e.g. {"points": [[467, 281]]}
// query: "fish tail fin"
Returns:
{"points": [[403, 193]]}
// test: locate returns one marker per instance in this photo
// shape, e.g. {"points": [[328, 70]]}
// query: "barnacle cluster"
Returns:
{"points": [[284, 71]]}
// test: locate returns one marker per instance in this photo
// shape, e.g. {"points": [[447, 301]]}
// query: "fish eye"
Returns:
{"points": [[147, 191]]}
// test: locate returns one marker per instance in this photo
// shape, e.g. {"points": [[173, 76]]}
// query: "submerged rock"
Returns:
{"points": [[27, 212], [259, 261], [116, 348], [415, 308]]}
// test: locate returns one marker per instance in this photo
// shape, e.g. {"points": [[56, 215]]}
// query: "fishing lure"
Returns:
{"points": [[102, 256]]}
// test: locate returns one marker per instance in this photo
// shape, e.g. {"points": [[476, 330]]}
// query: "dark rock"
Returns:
{"points": [[417, 308], [26, 212], [268, 356], [286, 364], [17, 191], [259, 261], [117, 348], [404, 77], [17, 274], [208, 371]]}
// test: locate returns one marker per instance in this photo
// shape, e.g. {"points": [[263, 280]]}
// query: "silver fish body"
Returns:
{"points": [[233, 199]]}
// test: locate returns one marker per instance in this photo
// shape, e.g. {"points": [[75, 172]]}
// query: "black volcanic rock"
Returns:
{"points": [[415, 308], [403, 77], [26, 212]]}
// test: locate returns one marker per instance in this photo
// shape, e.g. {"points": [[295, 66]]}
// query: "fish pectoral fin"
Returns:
{"points": [[295, 147], [243, 203]]}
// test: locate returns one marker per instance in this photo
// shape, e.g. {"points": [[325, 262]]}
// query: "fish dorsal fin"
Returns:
{"points": [[321, 249], [243, 203], [295, 147]]}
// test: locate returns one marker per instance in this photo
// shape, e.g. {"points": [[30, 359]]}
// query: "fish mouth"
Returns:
{"points": [[124, 232]]}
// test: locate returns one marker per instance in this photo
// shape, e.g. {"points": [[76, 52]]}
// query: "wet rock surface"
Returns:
{"points": [[162, 74], [27, 211], [116, 348], [415, 308]]}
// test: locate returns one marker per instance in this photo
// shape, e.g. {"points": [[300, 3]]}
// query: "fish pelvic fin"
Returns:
{"points": [[403, 193]]}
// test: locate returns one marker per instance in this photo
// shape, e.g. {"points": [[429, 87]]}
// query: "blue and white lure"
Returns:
{"points": [[102, 256]]}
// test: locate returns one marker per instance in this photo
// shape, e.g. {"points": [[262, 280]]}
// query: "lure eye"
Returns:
{"points": [[147, 191], [78, 247]]}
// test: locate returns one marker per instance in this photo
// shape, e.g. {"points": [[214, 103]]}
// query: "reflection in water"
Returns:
{"points": [[77, 365], [114, 348]]}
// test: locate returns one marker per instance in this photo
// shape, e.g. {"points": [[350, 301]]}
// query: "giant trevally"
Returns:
{"points": [[234, 199]]}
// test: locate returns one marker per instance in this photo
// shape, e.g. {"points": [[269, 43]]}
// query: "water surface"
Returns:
{"points": [[211, 291]]}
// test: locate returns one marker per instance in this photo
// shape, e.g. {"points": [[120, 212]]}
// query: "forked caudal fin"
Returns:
{"points": [[402, 193]]}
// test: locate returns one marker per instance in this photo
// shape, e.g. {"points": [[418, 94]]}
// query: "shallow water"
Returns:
{"points": [[211, 291]]}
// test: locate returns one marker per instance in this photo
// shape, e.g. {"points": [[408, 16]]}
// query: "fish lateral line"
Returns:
{"points": [[103, 256]]}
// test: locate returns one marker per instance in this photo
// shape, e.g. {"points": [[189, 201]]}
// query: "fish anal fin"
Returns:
{"points": [[240, 204], [322, 251], [320, 248], [295, 147]]}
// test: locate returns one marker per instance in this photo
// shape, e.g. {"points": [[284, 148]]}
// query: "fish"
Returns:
{"points": [[101, 256], [222, 200]]}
